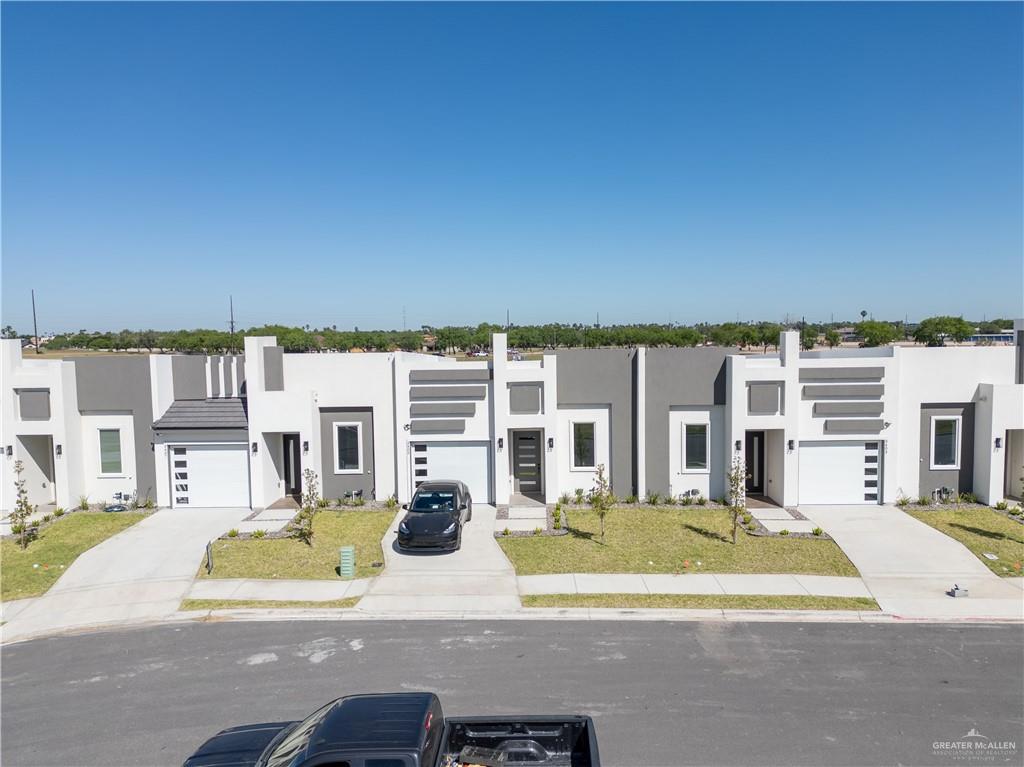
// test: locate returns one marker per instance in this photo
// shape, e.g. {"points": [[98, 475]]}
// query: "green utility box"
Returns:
{"points": [[347, 563]]}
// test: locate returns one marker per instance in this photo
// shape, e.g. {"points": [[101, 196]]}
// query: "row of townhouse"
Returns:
{"points": [[848, 426]]}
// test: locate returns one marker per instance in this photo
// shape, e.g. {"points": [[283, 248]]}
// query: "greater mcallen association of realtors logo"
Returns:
{"points": [[975, 747]]}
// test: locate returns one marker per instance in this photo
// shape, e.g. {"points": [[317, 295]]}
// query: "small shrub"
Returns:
{"points": [[59, 512], [259, 533], [359, 501], [1002, 506], [817, 531], [783, 531], [747, 518], [752, 526], [565, 499], [47, 518], [670, 500], [391, 502], [506, 531], [233, 532], [580, 496], [968, 498], [685, 500], [34, 524], [702, 501], [83, 502], [924, 500], [902, 500], [339, 502], [322, 503], [557, 522], [537, 530], [149, 503], [1014, 510], [631, 499], [17, 529], [653, 499]]}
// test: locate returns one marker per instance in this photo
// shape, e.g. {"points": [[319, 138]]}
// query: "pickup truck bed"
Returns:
{"points": [[534, 741]]}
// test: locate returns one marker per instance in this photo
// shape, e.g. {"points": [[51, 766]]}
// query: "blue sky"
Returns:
{"points": [[334, 163]]}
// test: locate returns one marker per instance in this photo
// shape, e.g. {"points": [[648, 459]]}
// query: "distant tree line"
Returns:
{"points": [[933, 331]]}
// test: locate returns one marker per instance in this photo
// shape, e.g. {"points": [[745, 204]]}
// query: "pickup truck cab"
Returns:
{"points": [[400, 730]]}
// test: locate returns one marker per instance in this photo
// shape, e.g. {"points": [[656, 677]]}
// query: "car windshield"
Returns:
{"points": [[434, 500]]}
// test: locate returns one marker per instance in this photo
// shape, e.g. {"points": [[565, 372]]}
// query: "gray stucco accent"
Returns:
{"points": [[34, 404], [845, 391], [448, 392], [220, 413], [854, 426], [273, 368], [524, 398], [847, 408], [678, 378], [435, 425], [336, 485], [442, 408], [215, 363], [604, 377], [961, 479], [119, 384], [764, 398], [1019, 357], [189, 373], [447, 374], [842, 374]]}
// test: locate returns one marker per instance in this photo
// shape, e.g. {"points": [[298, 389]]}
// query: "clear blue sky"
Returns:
{"points": [[330, 164]]}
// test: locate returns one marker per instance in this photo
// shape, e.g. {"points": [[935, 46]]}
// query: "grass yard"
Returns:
{"points": [[663, 540], [981, 530], [60, 543], [234, 604], [290, 558], [700, 601]]}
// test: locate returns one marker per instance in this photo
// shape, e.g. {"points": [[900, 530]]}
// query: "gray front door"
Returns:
{"points": [[526, 453]]}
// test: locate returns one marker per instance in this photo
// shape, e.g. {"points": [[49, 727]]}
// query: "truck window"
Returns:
{"points": [[297, 740]]}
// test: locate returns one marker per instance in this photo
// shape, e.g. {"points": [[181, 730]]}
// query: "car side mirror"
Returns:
{"points": [[463, 507], [405, 506]]}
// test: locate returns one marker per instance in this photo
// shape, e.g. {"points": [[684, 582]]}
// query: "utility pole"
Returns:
{"points": [[35, 325], [404, 328], [231, 321], [507, 325]]}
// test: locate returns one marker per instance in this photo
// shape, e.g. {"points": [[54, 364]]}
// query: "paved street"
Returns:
{"points": [[662, 694]]}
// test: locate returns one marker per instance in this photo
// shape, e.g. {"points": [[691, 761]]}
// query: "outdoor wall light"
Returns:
{"points": [[551, 443], [305, 446], [9, 451], [255, 448], [59, 450], [999, 442], [501, 443], [739, 445], [792, 444]]}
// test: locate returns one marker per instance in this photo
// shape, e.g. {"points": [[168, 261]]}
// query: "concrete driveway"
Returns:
{"points": [[908, 566], [476, 578], [137, 575]]}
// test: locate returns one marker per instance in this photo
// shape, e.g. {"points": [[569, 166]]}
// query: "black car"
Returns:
{"points": [[437, 512]]}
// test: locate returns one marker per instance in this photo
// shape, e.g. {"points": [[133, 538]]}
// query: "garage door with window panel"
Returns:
{"points": [[840, 472], [465, 461], [204, 476]]}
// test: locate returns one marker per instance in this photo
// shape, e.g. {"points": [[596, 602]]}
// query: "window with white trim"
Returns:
{"points": [[696, 447], [348, 447], [945, 442], [110, 451], [584, 446]]}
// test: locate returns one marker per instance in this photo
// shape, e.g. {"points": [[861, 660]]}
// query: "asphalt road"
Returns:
{"points": [[661, 693]]}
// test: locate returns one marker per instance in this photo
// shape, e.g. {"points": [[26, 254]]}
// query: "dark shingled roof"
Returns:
{"points": [[225, 413]]}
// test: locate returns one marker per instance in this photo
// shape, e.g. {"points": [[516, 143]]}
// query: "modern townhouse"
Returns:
{"points": [[843, 426]]}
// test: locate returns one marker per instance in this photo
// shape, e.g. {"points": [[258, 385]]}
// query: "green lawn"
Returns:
{"points": [[981, 530], [701, 601], [234, 604], [289, 558], [660, 540], [58, 544]]}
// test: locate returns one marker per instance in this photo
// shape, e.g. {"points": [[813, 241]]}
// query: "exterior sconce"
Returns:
{"points": [[255, 447], [792, 445], [59, 450], [9, 451], [501, 443], [305, 446], [999, 442], [551, 443], [739, 445]]}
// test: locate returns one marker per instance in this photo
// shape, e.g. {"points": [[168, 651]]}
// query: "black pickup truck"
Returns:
{"points": [[401, 730]]}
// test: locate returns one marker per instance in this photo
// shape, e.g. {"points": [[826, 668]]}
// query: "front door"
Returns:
{"points": [[755, 461], [292, 465], [526, 452]]}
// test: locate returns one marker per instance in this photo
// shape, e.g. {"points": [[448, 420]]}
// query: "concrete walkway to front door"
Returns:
{"points": [[476, 579], [908, 566], [140, 574]]}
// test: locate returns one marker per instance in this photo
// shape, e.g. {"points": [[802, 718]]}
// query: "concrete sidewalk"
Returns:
{"points": [[277, 590], [694, 583], [140, 574], [908, 566]]}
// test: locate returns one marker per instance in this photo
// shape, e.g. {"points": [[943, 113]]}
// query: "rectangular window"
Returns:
{"points": [[348, 448], [583, 446], [110, 451], [695, 447], [945, 442]]}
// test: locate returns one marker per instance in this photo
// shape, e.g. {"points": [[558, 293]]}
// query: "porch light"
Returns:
{"points": [[551, 443], [739, 446], [255, 448], [501, 443], [305, 446], [792, 444], [59, 450], [999, 442], [9, 451]]}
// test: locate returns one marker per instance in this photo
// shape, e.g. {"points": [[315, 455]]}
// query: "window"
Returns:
{"points": [[110, 451], [945, 442], [695, 447], [583, 453], [348, 448]]}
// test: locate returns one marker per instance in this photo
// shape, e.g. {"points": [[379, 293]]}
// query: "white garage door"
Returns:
{"points": [[210, 475], [467, 461], [840, 472]]}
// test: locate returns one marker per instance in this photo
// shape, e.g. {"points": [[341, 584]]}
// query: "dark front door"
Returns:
{"points": [[292, 465], [526, 454], [755, 461]]}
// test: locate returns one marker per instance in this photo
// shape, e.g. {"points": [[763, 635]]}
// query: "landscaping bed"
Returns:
{"points": [[700, 601], [983, 531], [292, 559], [644, 539], [263, 604], [30, 572]]}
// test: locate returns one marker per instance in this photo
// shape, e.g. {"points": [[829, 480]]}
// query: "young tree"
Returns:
{"points": [[808, 338], [934, 331], [22, 508], [877, 333], [736, 479], [601, 497], [832, 338], [302, 526]]}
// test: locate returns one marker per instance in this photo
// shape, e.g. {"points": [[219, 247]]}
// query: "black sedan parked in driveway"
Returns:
{"points": [[435, 517]]}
